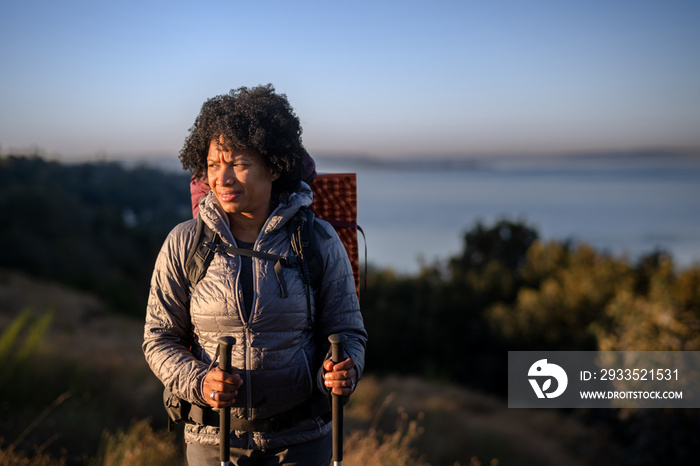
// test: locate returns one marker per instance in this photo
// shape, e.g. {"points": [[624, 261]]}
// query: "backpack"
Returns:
{"points": [[335, 201]]}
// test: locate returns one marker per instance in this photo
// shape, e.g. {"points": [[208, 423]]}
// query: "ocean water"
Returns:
{"points": [[414, 213]]}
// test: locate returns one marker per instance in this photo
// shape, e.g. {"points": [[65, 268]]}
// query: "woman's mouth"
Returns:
{"points": [[228, 197]]}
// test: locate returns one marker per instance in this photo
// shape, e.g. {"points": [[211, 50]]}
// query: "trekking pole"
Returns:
{"points": [[225, 347], [337, 350]]}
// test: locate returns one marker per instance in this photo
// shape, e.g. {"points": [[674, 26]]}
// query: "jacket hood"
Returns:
{"points": [[216, 218]]}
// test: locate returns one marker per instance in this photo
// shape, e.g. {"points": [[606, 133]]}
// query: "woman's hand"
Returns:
{"points": [[221, 388], [340, 378]]}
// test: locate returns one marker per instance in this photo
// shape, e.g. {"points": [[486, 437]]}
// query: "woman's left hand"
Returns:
{"points": [[340, 378]]}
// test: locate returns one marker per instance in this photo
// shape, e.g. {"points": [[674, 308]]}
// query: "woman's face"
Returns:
{"points": [[241, 181]]}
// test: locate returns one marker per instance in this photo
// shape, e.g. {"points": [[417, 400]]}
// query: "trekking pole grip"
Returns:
{"points": [[337, 353], [225, 347]]}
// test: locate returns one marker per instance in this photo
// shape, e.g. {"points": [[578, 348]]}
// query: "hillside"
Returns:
{"points": [[110, 386]]}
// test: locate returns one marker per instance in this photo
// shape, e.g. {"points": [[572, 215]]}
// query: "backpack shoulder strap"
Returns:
{"points": [[314, 250], [305, 230], [200, 255], [306, 249]]}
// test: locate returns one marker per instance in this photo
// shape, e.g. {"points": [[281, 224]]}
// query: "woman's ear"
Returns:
{"points": [[275, 175]]}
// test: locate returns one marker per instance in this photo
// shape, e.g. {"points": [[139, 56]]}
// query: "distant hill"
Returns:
{"points": [[457, 162]]}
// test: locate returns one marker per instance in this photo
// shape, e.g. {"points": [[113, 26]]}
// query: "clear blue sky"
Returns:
{"points": [[399, 78]]}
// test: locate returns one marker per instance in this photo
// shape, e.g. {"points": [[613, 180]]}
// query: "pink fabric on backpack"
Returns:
{"points": [[198, 188]]}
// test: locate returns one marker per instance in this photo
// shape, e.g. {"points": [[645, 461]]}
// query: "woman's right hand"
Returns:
{"points": [[221, 388]]}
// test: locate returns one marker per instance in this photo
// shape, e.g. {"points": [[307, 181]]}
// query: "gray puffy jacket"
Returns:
{"points": [[278, 351]]}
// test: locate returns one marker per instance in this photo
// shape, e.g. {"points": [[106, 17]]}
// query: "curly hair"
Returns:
{"points": [[257, 119]]}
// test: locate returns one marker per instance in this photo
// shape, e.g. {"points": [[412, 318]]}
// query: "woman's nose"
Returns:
{"points": [[229, 176]]}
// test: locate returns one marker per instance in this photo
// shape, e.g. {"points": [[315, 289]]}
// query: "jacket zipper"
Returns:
{"points": [[246, 330], [248, 362], [246, 343], [249, 395]]}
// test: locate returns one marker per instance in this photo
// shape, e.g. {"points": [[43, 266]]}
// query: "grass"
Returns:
{"points": [[138, 445], [441, 424]]}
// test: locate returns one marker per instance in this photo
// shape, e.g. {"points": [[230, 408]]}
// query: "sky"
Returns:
{"points": [[409, 78]]}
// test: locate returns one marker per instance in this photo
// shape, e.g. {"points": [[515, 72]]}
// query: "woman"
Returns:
{"points": [[248, 145]]}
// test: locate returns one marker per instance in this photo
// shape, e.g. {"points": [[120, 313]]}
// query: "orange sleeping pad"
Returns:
{"points": [[335, 200]]}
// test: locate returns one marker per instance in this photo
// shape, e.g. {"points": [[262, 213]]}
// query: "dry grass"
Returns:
{"points": [[448, 425], [139, 445], [364, 447], [10, 457]]}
